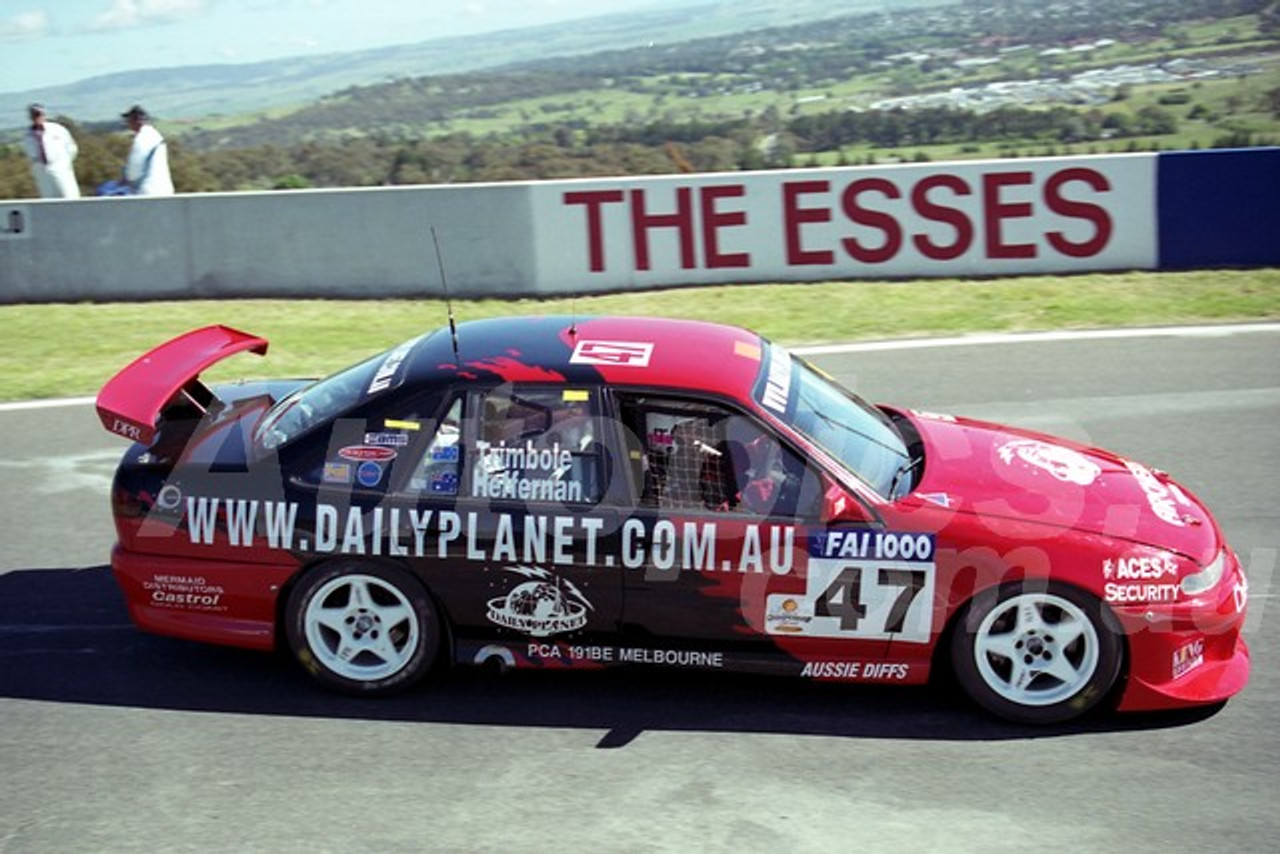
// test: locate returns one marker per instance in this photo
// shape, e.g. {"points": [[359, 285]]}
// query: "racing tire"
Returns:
{"points": [[1036, 652], [363, 629]]}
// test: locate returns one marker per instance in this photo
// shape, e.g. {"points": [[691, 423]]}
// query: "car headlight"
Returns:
{"points": [[1207, 578]]}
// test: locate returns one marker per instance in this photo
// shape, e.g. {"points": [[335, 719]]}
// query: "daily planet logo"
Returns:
{"points": [[544, 605]]}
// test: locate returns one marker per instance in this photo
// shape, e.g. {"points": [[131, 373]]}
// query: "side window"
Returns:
{"points": [[537, 444], [438, 471], [689, 455]]}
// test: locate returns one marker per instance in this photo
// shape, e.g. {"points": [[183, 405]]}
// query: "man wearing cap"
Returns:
{"points": [[147, 169], [51, 150]]}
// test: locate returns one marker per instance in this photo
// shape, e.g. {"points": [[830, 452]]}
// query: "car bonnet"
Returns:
{"points": [[1006, 473]]}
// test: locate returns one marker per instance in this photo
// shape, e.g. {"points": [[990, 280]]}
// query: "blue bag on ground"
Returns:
{"points": [[114, 188]]}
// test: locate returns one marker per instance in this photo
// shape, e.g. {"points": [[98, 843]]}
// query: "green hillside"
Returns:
{"points": [[966, 80]]}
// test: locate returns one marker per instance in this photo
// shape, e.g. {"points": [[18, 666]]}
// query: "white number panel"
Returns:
{"points": [[870, 585]]}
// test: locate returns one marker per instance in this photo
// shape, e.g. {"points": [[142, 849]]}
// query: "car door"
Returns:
{"points": [[510, 491], [740, 549], [722, 512]]}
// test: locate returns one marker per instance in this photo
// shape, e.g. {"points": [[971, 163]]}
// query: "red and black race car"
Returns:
{"points": [[581, 493]]}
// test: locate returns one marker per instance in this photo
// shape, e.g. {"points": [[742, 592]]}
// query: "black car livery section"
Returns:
{"points": [[563, 540], [596, 492], [543, 604], [552, 653]]}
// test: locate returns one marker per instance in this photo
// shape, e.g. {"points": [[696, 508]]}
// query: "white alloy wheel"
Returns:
{"points": [[1036, 654], [363, 629], [1036, 649]]}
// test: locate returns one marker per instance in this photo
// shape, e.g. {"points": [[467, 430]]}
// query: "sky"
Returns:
{"points": [[53, 42]]}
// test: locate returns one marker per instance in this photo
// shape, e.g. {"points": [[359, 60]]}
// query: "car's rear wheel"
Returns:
{"points": [[363, 628], [1035, 652]]}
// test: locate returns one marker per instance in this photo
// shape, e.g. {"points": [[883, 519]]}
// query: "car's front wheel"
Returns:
{"points": [[1035, 652], [363, 629]]}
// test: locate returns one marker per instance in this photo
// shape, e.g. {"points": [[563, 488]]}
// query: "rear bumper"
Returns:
{"points": [[209, 601]]}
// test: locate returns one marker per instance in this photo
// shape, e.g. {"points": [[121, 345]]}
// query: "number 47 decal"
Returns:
{"points": [[889, 599], [843, 599]]}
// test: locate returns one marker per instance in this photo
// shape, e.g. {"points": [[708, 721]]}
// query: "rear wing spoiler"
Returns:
{"points": [[130, 403]]}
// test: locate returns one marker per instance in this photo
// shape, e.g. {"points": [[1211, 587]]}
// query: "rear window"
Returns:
{"points": [[326, 399]]}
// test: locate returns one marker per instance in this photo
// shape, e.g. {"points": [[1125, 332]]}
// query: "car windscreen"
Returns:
{"points": [[330, 397], [856, 434]]}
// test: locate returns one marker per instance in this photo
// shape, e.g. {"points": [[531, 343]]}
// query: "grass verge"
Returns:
{"points": [[71, 349]]}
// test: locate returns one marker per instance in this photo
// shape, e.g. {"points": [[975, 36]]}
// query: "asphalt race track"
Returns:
{"points": [[111, 740]]}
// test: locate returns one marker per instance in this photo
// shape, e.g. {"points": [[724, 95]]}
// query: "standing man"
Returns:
{"points": [[51, 150], [147, 170]]}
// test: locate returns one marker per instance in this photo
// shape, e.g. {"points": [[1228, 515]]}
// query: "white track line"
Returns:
{"points": [[1211, 331], [45, 404], [1223, 330]]}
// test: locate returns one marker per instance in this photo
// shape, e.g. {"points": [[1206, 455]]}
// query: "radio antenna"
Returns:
{"points": [[448, 303]]}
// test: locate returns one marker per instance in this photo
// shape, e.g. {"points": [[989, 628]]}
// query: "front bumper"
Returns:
{"points": [[1189, 653]]}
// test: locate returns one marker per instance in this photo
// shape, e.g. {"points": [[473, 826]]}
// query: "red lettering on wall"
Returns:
{"points": [[996, 211], [1102, 225], [1004, 214], [872, 219], [953, 217], [594, 200], [682, 220], [794, 216], [713, 220]]}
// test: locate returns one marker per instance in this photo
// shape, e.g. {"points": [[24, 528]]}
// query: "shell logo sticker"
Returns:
{"points": [[787, 617]]}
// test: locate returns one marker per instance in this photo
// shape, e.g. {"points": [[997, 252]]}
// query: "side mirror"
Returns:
{"points": [[838, 506]]}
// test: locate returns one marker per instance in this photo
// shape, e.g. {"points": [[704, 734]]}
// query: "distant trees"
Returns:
{"points": [[897, 128], [619, 149], [15, 176]]}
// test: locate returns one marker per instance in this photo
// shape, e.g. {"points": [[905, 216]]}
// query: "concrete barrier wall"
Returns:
{"points": [[340, 243], [1049, 215]]}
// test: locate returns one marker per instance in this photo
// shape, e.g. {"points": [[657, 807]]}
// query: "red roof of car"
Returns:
{"points": [[643, 351]]}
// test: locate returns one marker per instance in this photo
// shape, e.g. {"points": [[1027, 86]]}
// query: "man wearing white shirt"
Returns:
{"points": [[147, 170], [51, 150]]}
